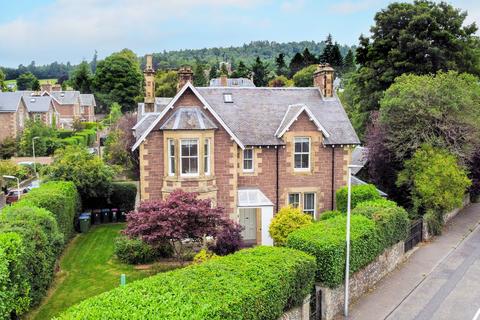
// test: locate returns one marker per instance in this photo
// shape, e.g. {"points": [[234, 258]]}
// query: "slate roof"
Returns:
{"points": [[65, 97], [37, 103], [232, 82], [188, 119], [256, 113], [9, 101], [359, 157], [87, 99]]}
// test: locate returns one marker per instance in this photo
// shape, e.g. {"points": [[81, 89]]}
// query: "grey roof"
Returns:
{"points": [[87, 99], [359, 158], [358, 182], [9, 101], [256, 113], [144, 123], [66, 97], [232, 82], [37, 103], [188, 119]]}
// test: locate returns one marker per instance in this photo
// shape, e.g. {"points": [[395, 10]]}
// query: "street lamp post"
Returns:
{"points": [[18, 183], [347, 263], [34, 161]]}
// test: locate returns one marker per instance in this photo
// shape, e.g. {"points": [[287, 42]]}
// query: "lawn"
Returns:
{"points": [[89, 267]]}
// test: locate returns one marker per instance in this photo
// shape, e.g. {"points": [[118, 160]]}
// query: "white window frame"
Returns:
{"points": [[313, 210], [206, 156], [189, 157], [298, 195], [302, 153], [252, 159], [170, 157]]}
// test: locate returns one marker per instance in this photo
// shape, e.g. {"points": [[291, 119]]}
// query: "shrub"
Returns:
{"points": [[359, 194], [14, 285], [60, 198], [367, 208], [326, 241], [123, 196], [252, 284], [42, 243], [329, 214], [288, 219], [229, 239], [134, 251], [204, 255]]}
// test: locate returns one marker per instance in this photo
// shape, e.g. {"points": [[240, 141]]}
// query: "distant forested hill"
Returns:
{"points": [[266, 50]]}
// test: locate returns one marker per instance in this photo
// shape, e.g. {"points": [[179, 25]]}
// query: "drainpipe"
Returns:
{"points": [[333, 176], [276, 182]]}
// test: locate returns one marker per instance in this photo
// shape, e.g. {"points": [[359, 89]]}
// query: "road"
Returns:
{"points": [[451, 291]]}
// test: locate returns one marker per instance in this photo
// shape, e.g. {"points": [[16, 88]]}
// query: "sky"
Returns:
{"points": [[71, 30]]}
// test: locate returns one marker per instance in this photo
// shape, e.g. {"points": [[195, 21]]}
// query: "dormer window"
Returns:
{"points": [[227, 98]]}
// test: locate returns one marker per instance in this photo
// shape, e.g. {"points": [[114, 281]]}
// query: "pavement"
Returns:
{"points": [[440, 279]]}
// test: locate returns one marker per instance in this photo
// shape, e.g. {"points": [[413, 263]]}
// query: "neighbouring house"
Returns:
{"points": [[71, 105], [13, 114], [251, 150], [223, 81]]}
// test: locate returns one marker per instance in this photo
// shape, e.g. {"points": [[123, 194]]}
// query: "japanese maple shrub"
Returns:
{"points": [[181, 216]]}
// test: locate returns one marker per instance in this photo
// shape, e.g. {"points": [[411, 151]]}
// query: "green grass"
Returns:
{"points": [[89, 267]]}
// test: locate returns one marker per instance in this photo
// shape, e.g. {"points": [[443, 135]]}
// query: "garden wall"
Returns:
{"points": [[332, 300], [446, 217]]}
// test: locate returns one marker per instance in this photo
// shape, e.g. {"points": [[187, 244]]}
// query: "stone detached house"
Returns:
{"points": [[251, 150]]}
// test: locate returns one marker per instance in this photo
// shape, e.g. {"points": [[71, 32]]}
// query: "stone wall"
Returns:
{"points": [[446, 217], [298, 313], [332, 300]]}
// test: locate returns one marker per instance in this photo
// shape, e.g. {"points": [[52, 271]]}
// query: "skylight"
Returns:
{"points": [[227, 98]]}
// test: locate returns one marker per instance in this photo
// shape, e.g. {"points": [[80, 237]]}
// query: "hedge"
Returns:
{"points": [[34, 262], [359, 194], [326, 241], [59, 197], [392, 221], [258, 283]]}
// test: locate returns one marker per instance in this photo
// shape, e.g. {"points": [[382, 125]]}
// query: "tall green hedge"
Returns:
{"points": [[326, 241], [257, 283], [359, 194], [33, 262], [59, 197]]}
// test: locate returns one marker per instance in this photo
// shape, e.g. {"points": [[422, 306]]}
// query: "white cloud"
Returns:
{"points": [[349, 7], [292, 5], [67, 26]]}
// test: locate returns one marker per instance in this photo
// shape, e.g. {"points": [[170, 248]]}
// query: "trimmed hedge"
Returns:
{"points": [[60, 198], [360, 193], [326, 241], [41, 243], [257, 283]]}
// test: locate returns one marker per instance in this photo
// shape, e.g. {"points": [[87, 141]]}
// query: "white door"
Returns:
{"points": [[248, 220]]}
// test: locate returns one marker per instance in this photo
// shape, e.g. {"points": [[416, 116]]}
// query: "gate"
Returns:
{"points": [[415, 235]]}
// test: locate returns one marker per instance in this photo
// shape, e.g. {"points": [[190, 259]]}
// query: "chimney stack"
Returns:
{"points": [[149, 74], [223, 80], [185, 74], [323, 79]]}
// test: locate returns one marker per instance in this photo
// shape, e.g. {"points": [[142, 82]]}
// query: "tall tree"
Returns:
{"points": [[296, 64], [282, 69], [82, 77], [27, 81], [349, 62], [94, 62], [422, 37], [199, 79], [260, 73], [118, 79], [242, 71]]}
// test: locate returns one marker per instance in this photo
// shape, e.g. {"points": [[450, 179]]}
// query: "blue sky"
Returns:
{"points": [[70, 30]]}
